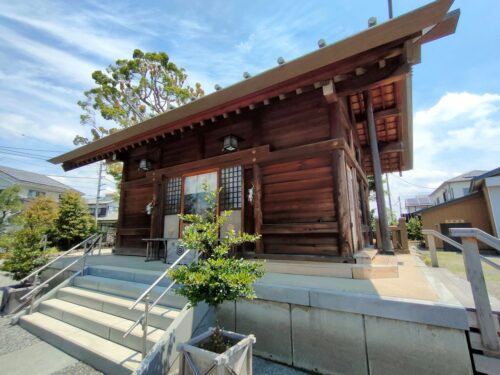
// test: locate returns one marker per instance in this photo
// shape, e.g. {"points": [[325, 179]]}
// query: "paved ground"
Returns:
{"points": [[454, 262]]}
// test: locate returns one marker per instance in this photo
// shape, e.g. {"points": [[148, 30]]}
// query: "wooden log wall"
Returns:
{"points": [[297, 199]]}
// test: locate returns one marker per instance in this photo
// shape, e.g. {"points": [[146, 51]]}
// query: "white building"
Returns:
{"points": [[418, 203], [489, 183], [107, 215], [454, 188], [32, 184]]}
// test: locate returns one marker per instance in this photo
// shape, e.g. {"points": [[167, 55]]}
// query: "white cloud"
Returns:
{"points": [[461, 132], [19, 126], [78, 32], [56, 61]]}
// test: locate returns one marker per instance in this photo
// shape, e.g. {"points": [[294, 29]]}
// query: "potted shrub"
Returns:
{"points": [[215, 278]]}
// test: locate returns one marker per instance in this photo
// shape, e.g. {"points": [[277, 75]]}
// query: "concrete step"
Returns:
{"points": [[159, 316], [128, 289], [105, 325], [128, 274], [104, 355]]}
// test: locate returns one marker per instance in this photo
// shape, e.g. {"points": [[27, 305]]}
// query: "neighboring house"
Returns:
{"points": [[418, 203], [107, 213], [479, 208], [289, 147], [489, 184], [32, 184], [469, 211], [454, 188]]}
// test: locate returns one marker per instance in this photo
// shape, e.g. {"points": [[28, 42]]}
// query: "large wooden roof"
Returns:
{"points": [[377, 59]]}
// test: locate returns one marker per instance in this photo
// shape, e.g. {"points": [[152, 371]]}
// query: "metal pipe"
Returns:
{"points": [[59, 257], [377, 174], [158, 280], [145, 327]]}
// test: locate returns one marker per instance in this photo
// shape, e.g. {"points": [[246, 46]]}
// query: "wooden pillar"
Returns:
{"points": [[377, 174], [340, 193], [156, 219], [257, 206]]}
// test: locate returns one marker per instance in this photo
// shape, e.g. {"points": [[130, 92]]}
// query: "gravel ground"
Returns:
{"points": [[78, 368], [14, 337], [265, 367]]}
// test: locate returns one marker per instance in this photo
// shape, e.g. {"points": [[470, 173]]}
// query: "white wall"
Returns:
{"points": [[453, 190], [493, 197]]}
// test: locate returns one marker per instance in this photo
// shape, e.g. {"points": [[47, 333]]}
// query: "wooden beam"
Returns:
{"points": [[385, 148], [444, 28], [300, 228], [340, 196], [380, 115], [257, 206], [329, 92], [392, 72]]}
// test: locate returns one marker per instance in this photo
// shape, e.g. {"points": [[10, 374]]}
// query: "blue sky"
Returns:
{"points": [[48, 50]]}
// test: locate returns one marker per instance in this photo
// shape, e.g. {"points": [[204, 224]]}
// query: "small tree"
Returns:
{"points": [[216, 277], [74, 222], [24, 245], [414, 228], [10, 203]]}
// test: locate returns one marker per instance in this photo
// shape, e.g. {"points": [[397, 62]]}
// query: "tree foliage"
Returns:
{"points": [[414, 227], [215, 278], [131, 91], [24, 246], [74, 222], [10, 203]]}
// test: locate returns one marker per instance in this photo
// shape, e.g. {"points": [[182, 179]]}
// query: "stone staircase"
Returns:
{"points": [[485, 362], [89, 318]]}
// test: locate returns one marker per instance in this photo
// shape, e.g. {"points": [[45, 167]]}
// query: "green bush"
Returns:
{"points": [[216, 277], [414, 227], [24, 246]]}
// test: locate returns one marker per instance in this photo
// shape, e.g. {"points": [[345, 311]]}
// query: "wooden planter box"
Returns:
{"points": [[236, 360]]}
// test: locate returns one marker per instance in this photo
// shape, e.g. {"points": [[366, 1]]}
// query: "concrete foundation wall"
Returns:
{"points": [[329, 341]]}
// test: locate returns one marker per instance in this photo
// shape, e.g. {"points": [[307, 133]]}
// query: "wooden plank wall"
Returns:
{"points": [[298, 210]]}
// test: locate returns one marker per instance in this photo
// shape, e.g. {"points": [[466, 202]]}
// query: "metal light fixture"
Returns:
{"points": [[281, 60], [217, 87], [230, 143], [145, 165], [246, 75], [321, 43]]}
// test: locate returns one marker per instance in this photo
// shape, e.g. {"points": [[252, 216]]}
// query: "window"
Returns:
{"points": [[194, 194], [173, 196], [230, 181], [35, 193], [92, 211], [102, 211], [465, 191]]}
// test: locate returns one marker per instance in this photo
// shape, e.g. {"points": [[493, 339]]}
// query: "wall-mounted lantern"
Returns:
{"points": [[145, 165], [230, 143]]}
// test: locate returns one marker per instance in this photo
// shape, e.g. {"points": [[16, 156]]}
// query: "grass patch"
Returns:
{"points": [[454, 262]]}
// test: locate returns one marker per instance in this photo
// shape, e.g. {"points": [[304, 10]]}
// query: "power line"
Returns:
{"points": [[412, 184], [24, 154], [31, 149]]}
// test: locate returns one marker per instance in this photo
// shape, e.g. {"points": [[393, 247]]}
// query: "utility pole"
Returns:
{"points": [[99, 180], [389, 196], [400, 207]]}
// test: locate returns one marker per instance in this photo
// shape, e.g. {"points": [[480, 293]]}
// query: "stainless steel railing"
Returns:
{"points": [[145, 298], [475, 275], [89, 245]]}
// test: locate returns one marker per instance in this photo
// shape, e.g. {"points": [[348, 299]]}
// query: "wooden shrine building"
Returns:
{"points": [[291, 147]]}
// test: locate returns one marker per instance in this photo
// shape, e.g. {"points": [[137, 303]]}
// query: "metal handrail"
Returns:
{"points": [[95, 238], [147, 306], [481, 236], [37, 271]]}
